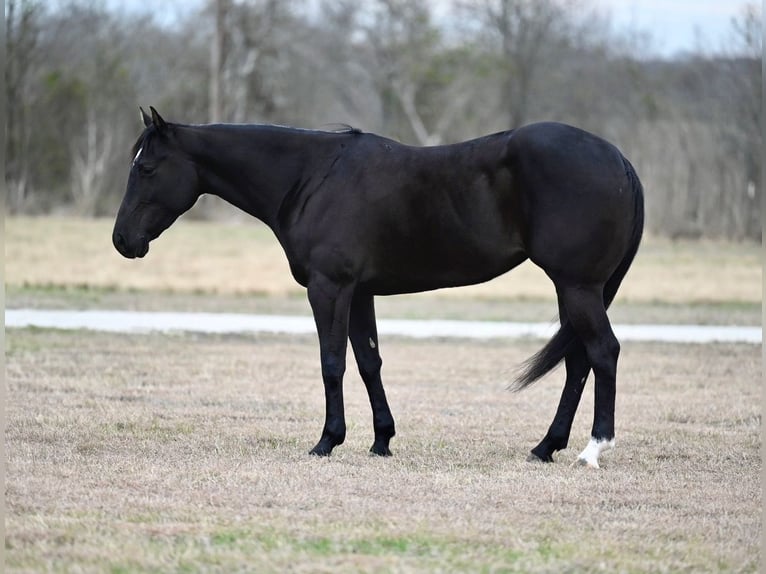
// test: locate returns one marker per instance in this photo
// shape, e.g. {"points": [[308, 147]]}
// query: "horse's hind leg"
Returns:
{"points": [[587, 314], [557, 437], [363, 333]]}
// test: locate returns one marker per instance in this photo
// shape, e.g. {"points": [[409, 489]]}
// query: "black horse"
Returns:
{"points": [[359, 215]]}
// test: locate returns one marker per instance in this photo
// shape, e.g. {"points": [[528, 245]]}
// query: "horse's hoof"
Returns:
{"points": [[589, 456], [532, 457], [320, 450], [315, 452], [380, 451], [535, 457]]}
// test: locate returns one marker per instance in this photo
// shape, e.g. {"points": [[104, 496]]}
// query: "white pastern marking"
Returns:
{"points": [[138, 153], [589, 455]]}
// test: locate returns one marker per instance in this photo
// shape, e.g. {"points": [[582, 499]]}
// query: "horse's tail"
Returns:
{"points": [[547, 358]]}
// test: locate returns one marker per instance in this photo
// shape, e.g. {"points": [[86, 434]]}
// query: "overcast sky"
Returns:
{"points": [[673, 25], [678, 25]]}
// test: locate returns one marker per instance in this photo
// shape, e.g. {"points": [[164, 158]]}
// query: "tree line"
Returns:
{"points": [[421, 72]]}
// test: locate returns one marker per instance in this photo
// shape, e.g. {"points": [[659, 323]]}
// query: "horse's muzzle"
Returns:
{"points": [[138, 249]]}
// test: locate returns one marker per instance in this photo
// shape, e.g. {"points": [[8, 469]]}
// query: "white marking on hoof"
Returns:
{"points": [[589, 456]]}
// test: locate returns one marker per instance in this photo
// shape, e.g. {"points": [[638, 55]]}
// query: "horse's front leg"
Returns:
{"points": [[364, 340], [330, 304]]}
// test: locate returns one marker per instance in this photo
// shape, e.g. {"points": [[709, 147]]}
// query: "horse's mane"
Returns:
{"points": [[340, 128], [331, 128], [335, 128]]}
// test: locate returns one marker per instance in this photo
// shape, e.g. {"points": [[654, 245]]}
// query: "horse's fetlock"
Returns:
{"points": [[385, 431], [335, 434]]}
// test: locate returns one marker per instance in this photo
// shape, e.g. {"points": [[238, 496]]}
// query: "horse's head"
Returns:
{"points": [[162, 184]]}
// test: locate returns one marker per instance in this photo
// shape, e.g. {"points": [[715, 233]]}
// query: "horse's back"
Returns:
{"points": [[550, 148]]}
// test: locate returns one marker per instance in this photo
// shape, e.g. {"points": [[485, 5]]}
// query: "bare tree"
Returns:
{"points": [[217, 60], [337, 83], [90, 161], [22, 21], [747, 80], [413, 71], [530, 35], [77, 70], [249, 48]]}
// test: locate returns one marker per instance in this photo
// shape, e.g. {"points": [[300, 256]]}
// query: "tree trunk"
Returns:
{"points": [[217, 60]]}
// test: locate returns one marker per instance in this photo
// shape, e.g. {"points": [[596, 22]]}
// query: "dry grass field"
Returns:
{"points": [[187, 453], [194, 257]]}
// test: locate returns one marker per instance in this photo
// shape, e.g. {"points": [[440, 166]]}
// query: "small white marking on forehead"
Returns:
{"points": [[138, 153]]}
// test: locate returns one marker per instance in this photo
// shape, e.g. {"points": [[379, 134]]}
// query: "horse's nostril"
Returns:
{"points": [[119, 241]]}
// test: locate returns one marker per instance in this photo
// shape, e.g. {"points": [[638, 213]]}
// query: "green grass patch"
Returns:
{"points": [[274, 550]]}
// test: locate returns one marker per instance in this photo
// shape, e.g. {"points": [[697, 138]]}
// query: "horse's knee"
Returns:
{"points": [[333, 367], [369, 367]]}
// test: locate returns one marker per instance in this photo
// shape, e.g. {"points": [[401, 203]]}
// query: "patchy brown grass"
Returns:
{"points": [[188, 453], [245, 258]]}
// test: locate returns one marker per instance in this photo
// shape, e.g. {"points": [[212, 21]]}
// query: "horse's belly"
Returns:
{"points": [[414, 273]]}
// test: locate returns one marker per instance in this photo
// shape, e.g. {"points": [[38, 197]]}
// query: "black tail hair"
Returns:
{"points": [[547, 358]]}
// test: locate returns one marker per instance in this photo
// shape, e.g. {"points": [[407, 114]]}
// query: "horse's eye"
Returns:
{"points": [[146, 169]]}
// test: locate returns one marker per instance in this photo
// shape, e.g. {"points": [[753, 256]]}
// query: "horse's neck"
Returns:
{"points": [[246, 167]]}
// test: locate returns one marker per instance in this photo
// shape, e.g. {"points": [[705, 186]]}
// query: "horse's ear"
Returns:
{"points": [[157, 120], [145, 117]]}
